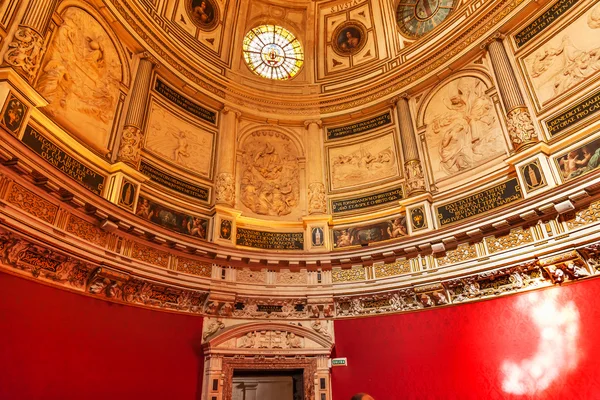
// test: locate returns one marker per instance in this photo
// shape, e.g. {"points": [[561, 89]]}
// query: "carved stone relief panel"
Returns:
{"points": [[270, 178], [179, 140], [80, 77], [462, 128], [567, 59], [367, 162]]}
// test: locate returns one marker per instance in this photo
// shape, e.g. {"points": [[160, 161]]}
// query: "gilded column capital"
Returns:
{"points": [[147, 56], [495, 37], [309, 122]]}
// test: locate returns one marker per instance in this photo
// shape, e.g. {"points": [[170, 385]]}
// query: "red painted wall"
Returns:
{"points": [[60, 345], [547, 341]]}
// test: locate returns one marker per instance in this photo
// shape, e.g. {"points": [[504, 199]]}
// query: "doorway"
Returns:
{"points": [[268, 385]]}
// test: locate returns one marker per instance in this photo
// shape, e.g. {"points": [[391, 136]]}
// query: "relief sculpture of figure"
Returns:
{"points": [[270, 182], [567, 59], [462, 125], [81, 76]]}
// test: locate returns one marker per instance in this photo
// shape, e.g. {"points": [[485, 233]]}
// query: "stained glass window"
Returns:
{"points": [[273, 52]]}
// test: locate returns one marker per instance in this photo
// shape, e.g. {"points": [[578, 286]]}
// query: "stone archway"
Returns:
{"points": [[267, 346]]}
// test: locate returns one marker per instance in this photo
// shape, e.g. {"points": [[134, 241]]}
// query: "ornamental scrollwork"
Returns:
{"points": [[25, 51]]}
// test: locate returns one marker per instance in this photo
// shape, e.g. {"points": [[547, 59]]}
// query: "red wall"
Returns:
{"points": [[458, 352], [60, 345]]}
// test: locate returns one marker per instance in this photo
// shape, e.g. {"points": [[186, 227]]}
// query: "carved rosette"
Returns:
{"points": [[130, 146], [520, 128], [25, 51], [317, 202], [225, 189], [415, 180]]}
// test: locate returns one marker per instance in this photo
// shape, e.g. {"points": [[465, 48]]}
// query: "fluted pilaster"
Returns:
{"points": [[317, 200], [132, 135], [225, 183], [415, 180], [518, 119]]}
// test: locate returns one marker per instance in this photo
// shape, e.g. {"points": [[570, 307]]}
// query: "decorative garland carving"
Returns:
{"points": [[225, 189], [25, 51], [317, 201], [520, 127], [130, 146]]}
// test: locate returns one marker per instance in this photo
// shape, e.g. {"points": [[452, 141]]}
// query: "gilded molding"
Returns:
{"points": [[392, 269], [515, 238]]}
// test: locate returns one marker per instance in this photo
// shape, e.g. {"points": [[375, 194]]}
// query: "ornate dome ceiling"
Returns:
{"points": [[321, 149]]}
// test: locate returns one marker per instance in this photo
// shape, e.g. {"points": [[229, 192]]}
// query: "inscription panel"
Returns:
{"points": [[479, 203], [174, 97], [62, 161], [358, 203], [174, 183], [543, 21], [270, 240], [584, 109], [359, 127]]}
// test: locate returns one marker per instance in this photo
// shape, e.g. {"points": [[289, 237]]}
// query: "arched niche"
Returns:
{"points": [[270, 173], [84, 76], [460, 125], [266, 346]]}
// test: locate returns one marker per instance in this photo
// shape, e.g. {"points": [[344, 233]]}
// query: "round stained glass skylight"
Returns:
{"points": [[273, 52]]}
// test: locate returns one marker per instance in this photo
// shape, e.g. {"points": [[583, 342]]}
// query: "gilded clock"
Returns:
{"points": [[415, 18]]}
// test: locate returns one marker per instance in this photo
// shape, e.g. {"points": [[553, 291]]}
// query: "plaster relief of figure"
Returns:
{"points": [[462, 128], [367, 162], [80, 77], [568, 59], [270, 180], [179, 141]]}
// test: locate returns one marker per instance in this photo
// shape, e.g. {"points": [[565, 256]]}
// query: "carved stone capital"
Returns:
{"points": [[415, 180], [225, 189], [309, 122], [520, 128], [25, 51], [317, 200], [235, 112], [130, 146]]}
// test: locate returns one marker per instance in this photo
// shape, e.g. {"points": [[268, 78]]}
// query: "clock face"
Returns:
{"points": [[415, 18]]}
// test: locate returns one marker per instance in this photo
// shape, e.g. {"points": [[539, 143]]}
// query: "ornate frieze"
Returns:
{"points": [[463, 252], [270, 339], [291, 278], [249, 276], [150, 255], [194, 267], [86, 231], [516, 237], [348, 275], [31, 203], [270, 309], [398, 267], [585, 216]]}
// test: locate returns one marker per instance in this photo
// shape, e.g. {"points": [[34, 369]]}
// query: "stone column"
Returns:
{"points": [[518, 119], [225, 182], [132, 135], [26, 48], [415, 180], [317, 201]]}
